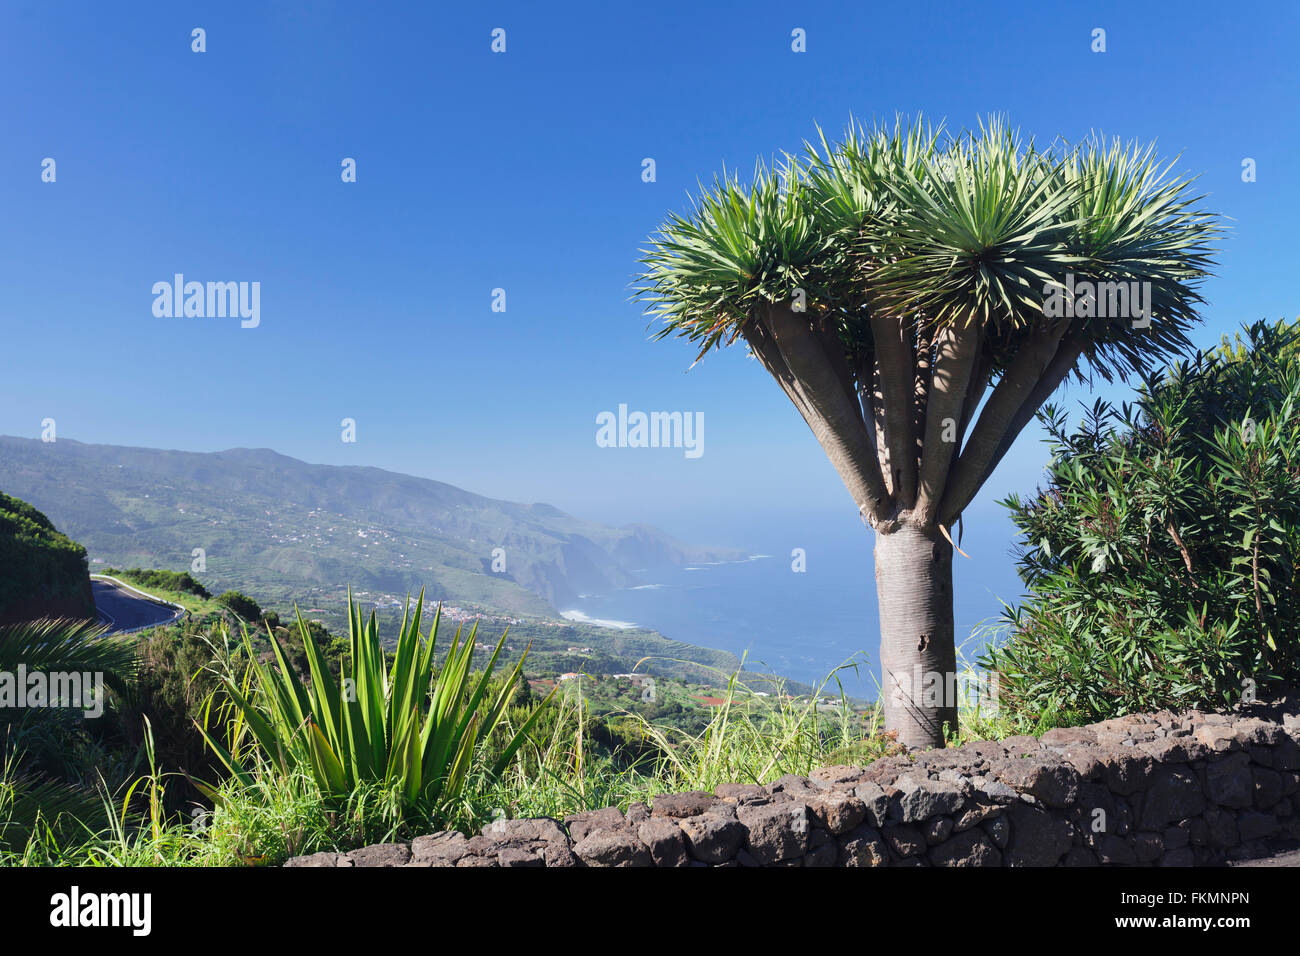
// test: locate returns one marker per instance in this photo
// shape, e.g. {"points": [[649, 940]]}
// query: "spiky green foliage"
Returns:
{"points": [[961, 229], [45, 736], [401, 727], [68, 646], [972, 232], [971, 236], [1133, 219], [739, 245], [35, 742], [34, 806]]}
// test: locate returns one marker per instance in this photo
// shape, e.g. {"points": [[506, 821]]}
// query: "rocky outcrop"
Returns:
{"points": [[1161, 789]]}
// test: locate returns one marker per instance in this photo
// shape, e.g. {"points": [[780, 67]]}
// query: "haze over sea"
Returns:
{"points": [[804, 625]]}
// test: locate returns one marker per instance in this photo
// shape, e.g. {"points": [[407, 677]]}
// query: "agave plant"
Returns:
{"points": [[415, 733]]}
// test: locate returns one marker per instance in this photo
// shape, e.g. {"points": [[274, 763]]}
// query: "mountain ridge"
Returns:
{"points": [[294, 529]]}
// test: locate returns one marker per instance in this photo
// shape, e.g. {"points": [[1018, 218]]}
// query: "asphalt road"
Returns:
{"points": [[124, 611]]}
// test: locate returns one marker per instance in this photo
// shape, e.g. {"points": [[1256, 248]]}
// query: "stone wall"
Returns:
{"points": [[1165, 789]]}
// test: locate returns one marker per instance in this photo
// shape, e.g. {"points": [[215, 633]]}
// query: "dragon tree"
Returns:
{"points": [[918, 296]]}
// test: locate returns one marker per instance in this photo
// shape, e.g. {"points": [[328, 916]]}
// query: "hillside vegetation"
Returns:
{"points": [[43, 572], [556, 646], [288, 531], [218, 793]]}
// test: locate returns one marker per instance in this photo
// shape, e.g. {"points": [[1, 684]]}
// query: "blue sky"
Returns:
{"points": [[522, 171]]}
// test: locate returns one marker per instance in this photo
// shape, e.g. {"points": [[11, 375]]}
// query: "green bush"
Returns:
{"points": [[1161, 558], [243, 606], [181, 581], [39, 563], [50, 759], [175, 682]]}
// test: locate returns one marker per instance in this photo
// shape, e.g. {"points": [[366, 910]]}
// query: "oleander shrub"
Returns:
{"points": [[1160, 559]]}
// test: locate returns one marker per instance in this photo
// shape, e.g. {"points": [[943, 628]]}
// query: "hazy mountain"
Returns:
{"points": [[285, 529]]}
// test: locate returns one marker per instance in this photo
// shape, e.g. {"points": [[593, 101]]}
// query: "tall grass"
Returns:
{"points": [[276, 809], [750, 738], [756, 739]]}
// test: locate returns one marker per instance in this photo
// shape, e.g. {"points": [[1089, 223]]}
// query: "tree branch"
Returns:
{"points": [[979, 383], [864, 366], [824, 326], [896, 366], [1067, 356], [956, 353], [790, 350], [1182, 548], [878, 425], [921, 385], [1024, 374]]}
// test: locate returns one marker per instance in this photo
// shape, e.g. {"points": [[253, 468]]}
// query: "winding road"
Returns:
{"points": [[125, 609]]}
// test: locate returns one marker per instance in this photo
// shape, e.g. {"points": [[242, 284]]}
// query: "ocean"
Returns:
{"points": [[803, 624]]}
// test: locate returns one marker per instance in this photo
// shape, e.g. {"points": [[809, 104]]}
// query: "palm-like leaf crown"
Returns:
{"points": [[739, 245], [1132, 221], [887, 280], [958, 230]]}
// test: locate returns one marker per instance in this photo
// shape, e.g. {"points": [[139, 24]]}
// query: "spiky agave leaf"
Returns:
{"points": [[395, 725]]}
